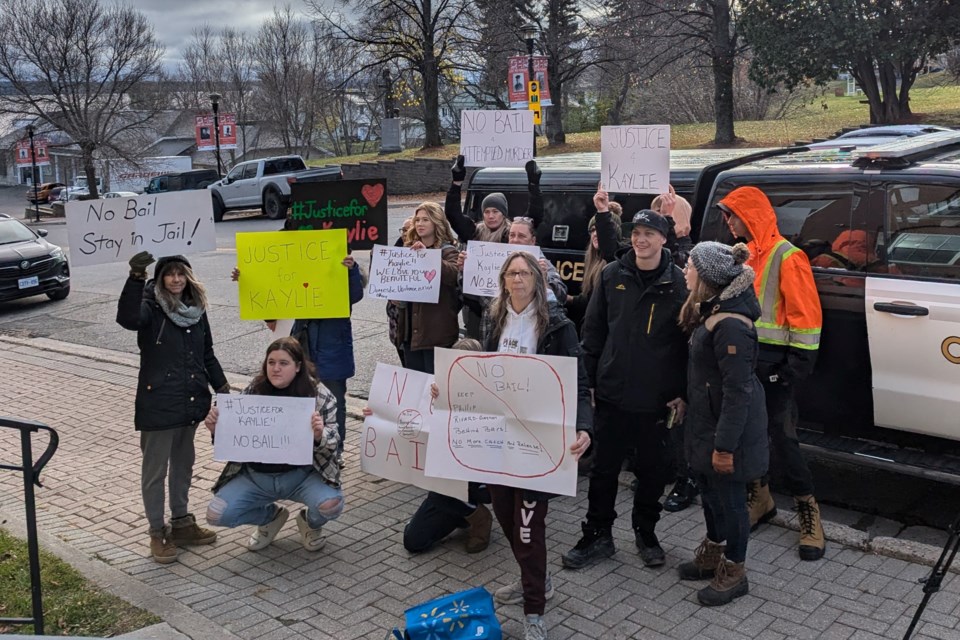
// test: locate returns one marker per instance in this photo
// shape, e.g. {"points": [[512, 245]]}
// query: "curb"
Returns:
{"points": [[847, 536], [114, 581]]}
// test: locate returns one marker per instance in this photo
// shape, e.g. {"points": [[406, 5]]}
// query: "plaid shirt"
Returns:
{"points": [[324, 449]]}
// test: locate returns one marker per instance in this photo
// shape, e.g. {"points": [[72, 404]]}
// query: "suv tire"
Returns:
{"points": [[59, 294], [273, 205], [218, 208]]}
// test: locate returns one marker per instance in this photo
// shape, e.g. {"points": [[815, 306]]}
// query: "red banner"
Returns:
{"points": [[517, 78], [206, 140], [22, 153]]}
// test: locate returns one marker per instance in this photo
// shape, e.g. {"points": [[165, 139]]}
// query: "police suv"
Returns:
{"points": [[881, 227]]}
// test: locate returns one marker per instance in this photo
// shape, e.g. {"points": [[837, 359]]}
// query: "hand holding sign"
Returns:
{"points": [[407, 274]]}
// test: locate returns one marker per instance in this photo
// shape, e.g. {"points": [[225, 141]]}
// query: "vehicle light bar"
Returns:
{"points": [[909, 146]]}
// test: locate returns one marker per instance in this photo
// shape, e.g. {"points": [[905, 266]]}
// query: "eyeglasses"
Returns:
{"points": [[513, 275], [526, 219]]}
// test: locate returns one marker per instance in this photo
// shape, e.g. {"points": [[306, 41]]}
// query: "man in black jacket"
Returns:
{"points": [[636, 357]]}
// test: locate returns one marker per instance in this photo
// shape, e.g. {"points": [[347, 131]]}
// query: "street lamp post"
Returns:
{"points": [[529, 32], [215, 101], [33, 163]]}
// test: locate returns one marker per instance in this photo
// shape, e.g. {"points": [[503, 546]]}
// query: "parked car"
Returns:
{"points": [[72, 193], [182, 181], [29, 265], [120, 194], [265, 183], [42, 192]]}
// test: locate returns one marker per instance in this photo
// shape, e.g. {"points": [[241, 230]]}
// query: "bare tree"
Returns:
{"points": [[288, 63], [71, 64]]}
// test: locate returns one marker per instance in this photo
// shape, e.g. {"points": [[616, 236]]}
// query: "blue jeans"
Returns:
{"points": [[249, 497], [725, 512], [339, 389]]}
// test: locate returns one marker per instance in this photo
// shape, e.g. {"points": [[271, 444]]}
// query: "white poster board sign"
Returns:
{"points": [[395, 437], [165, 224], [271, 429], [505, 419], [490, 138], [481, 267], [400, 273], [635, 158]]}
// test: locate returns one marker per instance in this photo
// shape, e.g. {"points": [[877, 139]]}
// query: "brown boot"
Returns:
{"points": [[161, 547], [186, 532], [704, 563], [729, 583], [760, 504], [812, 541], [478, 535]]}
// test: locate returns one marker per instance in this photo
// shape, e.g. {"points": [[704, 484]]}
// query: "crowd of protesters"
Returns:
{"points": [[688, 357]]}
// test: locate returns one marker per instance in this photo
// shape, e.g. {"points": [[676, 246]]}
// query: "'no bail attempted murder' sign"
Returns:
{"points": [[496, 138], [114, 229], [359, 206]]}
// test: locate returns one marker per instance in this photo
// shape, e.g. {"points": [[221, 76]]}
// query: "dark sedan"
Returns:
{"points": [[29, 265]]}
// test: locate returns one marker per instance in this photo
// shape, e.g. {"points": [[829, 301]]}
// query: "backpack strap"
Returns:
{"points": [[711, 322]]}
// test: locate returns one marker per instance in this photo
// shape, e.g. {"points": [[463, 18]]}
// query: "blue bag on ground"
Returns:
{"points": [[458, 616]]}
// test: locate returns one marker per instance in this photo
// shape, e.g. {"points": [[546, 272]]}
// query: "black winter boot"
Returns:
{"points": [[595, 543]]}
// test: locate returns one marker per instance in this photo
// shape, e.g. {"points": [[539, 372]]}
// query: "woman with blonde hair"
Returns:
{"points": [[422, 326], [520, 320]]}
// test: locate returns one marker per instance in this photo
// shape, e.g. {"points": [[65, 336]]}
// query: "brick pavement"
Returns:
{"points": [[360, 584]]}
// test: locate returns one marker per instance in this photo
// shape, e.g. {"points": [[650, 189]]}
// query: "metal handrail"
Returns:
{"points": [[31, 476]]}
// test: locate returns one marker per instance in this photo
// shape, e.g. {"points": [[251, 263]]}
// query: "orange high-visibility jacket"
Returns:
{"points": [[789, 303]]}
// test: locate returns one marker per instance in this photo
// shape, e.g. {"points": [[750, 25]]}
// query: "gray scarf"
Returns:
{"points": [[179, 313]]}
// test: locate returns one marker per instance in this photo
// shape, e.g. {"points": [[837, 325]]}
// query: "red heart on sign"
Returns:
{"points": [[306, 284], [372, 193], [430, 275]]}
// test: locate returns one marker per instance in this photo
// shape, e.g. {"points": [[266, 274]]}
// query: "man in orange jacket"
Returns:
{"points": [[789, 335]]}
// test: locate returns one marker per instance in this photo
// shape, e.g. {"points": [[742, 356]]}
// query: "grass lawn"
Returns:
{"points": [[71, 605], [933, 100]]}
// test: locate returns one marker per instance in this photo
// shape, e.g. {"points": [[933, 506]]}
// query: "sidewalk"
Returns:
{"points": [[89, 512]]}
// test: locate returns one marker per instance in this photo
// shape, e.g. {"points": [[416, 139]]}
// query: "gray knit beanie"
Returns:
{"points": [[719, 264], [496, 200]]}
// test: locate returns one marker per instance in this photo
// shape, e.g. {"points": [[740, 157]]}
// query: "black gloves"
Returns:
{"points": [[458, 170], [140, 262], [533, 172]]}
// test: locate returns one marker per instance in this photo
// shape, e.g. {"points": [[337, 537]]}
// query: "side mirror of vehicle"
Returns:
{"points": [[227, 180], [42, 233]]}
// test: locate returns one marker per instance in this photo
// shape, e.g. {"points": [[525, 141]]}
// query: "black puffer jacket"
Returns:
{"points": [[726, 410], [177, 365], [634, 350]]}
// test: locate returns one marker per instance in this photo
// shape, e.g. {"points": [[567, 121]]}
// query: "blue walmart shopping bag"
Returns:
{"points": [[468, 615]]}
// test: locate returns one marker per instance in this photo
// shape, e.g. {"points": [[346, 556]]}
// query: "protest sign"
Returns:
{"points": [[481, 268], [505, 419], [165, 224], [395, 437], [286, 274], [496, 138], [399, 273], [635, 158], [272, 429], [359, 206]]}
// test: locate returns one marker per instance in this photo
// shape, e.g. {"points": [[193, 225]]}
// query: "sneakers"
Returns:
{"points": [[704, 563], [478, 533], [534, 627], [650, 550], [264, 534], [728, 584], [760, 504], [162, 549], [812, 541], [513, 593], [185, 532], [682, 495], [311, 539], [595, 543]]}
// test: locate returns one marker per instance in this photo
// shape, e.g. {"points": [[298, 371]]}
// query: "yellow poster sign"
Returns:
{"points": [[293, 274]]}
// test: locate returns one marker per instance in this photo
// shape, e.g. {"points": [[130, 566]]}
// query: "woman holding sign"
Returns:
{"points": [[177, 369], [520, 320], [246, 493], [422, 326]]}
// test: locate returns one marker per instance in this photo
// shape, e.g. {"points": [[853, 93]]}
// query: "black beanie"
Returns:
{"points": [[496, 200]]}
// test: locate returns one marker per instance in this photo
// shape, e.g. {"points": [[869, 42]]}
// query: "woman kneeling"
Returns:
{"points": [[246, 493]]}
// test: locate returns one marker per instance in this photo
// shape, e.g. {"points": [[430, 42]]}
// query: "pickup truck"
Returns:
{"points": [[265, 183]]}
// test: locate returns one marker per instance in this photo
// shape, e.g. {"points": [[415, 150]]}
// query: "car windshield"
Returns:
{"points": [[12, 231]]}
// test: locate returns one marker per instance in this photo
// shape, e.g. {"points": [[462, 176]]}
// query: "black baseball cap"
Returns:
{"points": [[651, 219]]}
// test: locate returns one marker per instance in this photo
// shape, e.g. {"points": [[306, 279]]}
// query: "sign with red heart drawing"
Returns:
{"points": [[403, 274], [505, 419], [359, 206]]}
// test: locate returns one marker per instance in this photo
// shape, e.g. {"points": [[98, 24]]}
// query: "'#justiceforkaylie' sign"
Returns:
{"points": [[359, 206]]}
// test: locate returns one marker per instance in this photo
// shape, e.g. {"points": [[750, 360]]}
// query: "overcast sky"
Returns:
{"points": [[174, 20]]}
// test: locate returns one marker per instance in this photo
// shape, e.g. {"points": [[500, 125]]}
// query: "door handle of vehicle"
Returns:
{"points": [[901, 309]]}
